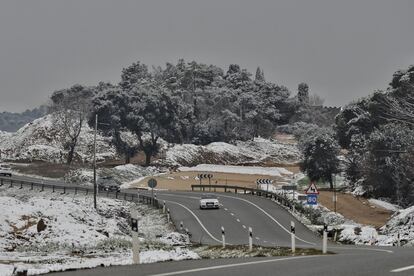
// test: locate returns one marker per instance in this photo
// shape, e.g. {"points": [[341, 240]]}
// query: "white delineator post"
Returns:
{"points": [[292, 236], [398, 239], [168, 215], [250, 239], [325, 239], [223, 237], [163, 207], [135, 238], [181, 226]]}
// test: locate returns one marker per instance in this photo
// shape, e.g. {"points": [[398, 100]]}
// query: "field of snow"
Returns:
{"points": [[257, 151], [271, 171], [75, 235], [384, 204]]}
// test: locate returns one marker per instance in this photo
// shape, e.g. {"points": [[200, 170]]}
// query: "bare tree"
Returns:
{"points": [[71, 108]]}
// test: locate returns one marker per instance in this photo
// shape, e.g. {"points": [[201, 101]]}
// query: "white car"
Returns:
{"points": [[209, 201], [5, 170]]}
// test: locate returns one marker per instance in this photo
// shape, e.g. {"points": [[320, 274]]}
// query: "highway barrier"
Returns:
{"points": [[65, 189]]}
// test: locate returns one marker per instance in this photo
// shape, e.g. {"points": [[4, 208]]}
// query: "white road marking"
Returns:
{"points": [[272, 218], [198, 220], [232, 265], [238, 220], [232, 214], [403, 268], [244, 226], [257, 238], [265, 241], [226, 209], [193, 197], [367, 249]]}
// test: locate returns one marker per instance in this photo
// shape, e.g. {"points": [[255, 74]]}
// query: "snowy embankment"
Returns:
{"points": [[257, 151], [47, 231], [271, 171]]}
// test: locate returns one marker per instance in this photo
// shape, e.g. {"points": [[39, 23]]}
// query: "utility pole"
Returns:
{"points": [[94, 162], [334, 192]]}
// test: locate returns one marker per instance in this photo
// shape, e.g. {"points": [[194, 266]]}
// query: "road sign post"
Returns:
{"points": [[152, 183], [292, 236], [312, 199], [168, 215], [264, 181], [135, 238]]}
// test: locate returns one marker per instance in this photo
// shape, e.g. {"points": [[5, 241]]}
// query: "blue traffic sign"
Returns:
{"points": [[312, 199]]}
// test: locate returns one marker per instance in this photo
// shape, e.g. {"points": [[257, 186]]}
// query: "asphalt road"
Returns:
{"points": [[271, 225]]}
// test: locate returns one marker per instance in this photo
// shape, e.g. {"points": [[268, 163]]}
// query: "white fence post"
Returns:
{"points": [[223, 237], [292, 235], [325, 239], [135, 238], [250, 239]]}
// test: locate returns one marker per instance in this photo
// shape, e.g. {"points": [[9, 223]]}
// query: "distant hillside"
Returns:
{"points": [[11, 122]]}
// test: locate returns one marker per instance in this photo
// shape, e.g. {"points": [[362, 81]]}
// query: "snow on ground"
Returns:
{"points": [[384, 204], [271, 171], [75, 235], [258, 150]]}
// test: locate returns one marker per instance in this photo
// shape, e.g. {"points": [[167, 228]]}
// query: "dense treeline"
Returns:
{"points": [[378, 133], [188, 103]]}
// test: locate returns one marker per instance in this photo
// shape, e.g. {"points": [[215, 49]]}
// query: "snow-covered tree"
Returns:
{"points": [[303, 94], [111, 107], [152, 114], [320, 152], [71, 108], [259, 77]]}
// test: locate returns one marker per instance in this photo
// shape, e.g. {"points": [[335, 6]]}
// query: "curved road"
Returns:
{"points": [[271, 226]]}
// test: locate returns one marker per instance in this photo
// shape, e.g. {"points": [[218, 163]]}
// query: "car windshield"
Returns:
{"points": [[208, 197]]}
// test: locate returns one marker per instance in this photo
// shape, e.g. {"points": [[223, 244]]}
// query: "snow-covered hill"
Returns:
{"points": [[257, 151], [42, 140]]}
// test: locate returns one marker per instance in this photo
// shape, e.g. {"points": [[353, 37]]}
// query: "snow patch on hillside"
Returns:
{"points": [[384, 204], [271, 171], [257, 151]]}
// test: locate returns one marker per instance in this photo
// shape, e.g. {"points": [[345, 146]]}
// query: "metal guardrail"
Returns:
{"points": [[253, 191], [40, 187]]}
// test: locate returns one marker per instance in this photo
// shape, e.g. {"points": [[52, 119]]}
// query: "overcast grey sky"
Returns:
{"points": [[343, 49]]}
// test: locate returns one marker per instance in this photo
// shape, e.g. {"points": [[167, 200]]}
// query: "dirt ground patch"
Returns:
{"points": [[184, 180], [357, 209]]}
